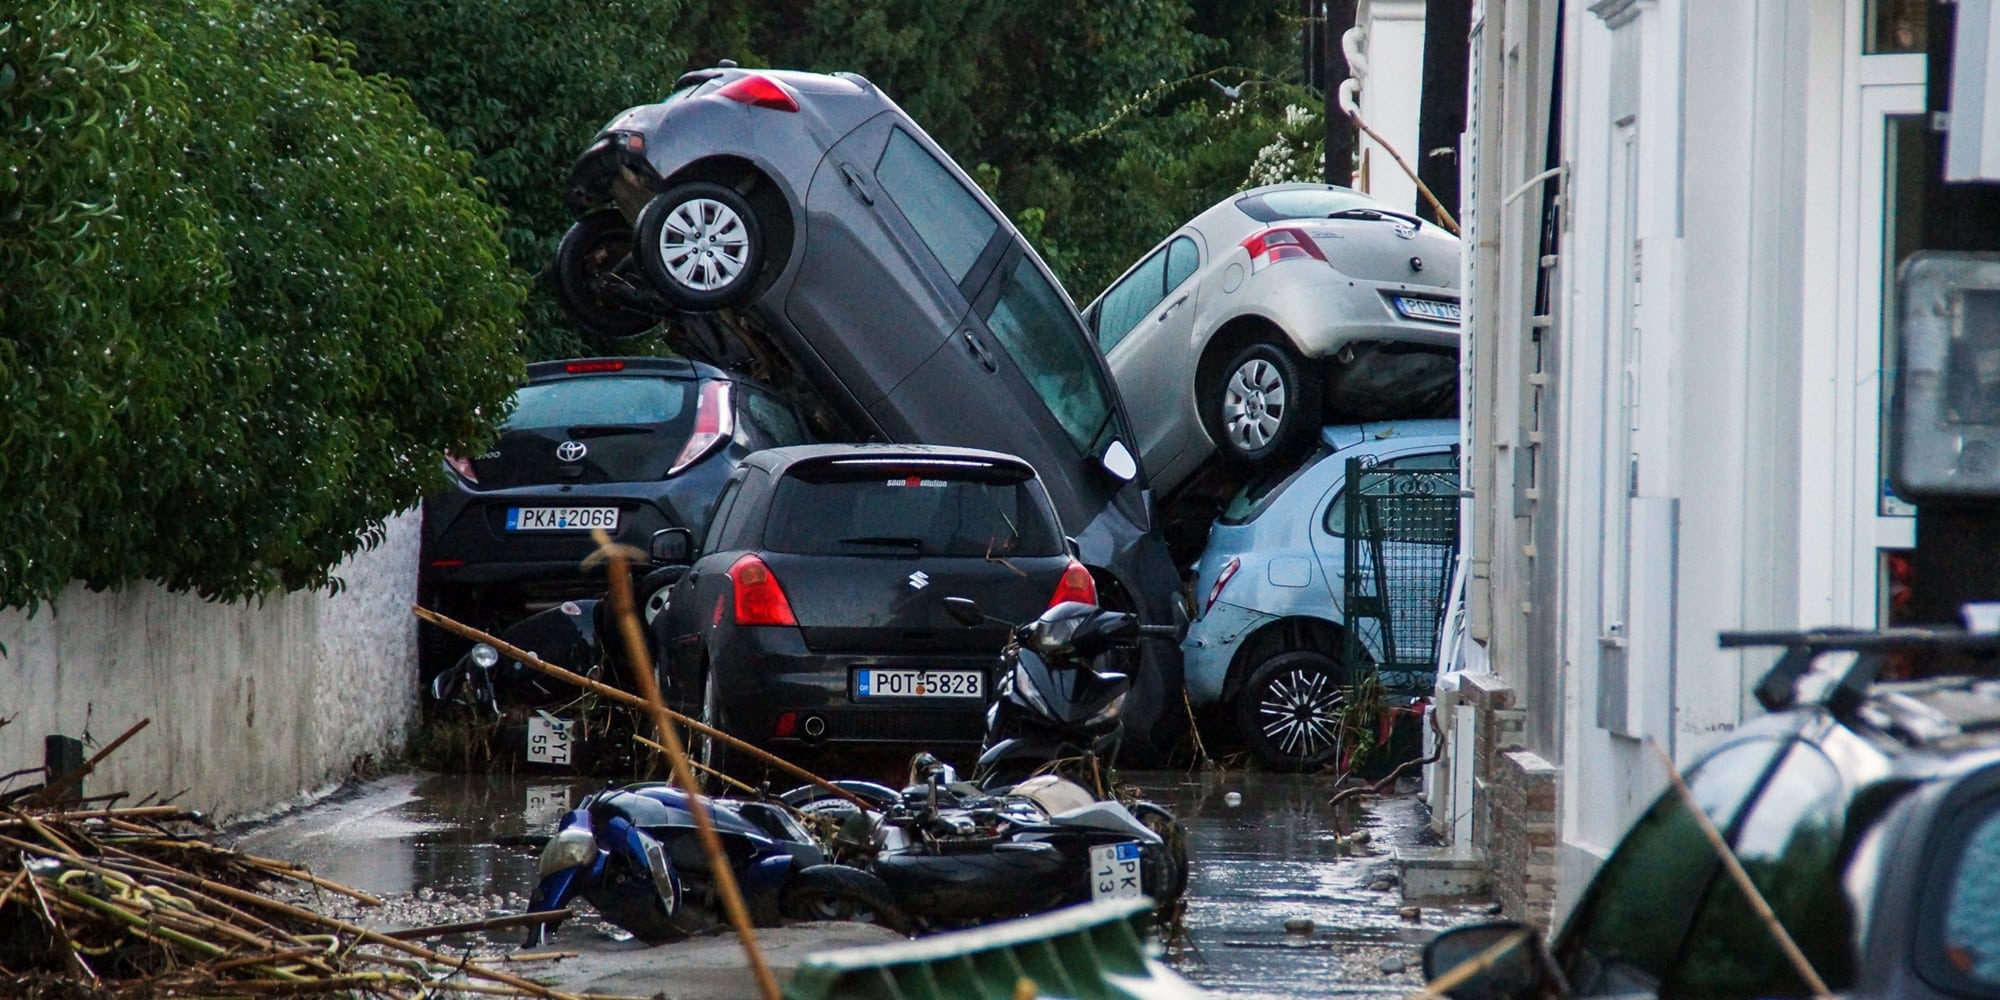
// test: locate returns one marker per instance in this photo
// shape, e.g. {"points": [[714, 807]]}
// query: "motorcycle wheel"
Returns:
{"points": [[588, 264], [837, 892], [632, 902], [1172, 872]]}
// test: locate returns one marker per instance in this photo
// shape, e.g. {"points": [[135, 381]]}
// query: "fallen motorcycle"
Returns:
{"points": [[634, 854], [956, 853], [540, 718]]}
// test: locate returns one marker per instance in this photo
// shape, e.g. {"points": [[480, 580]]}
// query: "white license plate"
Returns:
{"points": [[1114, 871], [919, 684], [561, 518], [1443, 312], [549, 738]]}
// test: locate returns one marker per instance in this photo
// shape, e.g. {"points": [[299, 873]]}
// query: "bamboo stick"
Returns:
{"points": [[711, 843], [471, 926], [627, 698]]}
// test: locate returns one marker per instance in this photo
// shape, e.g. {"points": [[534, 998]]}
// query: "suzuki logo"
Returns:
{"points": [[571, 451], [919, 580]]}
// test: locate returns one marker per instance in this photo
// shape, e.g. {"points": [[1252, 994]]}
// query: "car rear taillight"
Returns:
{"points": [[1221, 581], [759, 599], [587, 367], [1075, 585], [1277, 243], [714, 423], [462, 466], [760, 91]]}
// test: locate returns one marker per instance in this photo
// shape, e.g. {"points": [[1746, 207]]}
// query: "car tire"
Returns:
{"points": [[1289, 711], [1265, 405], [593, 261], [838, 892], [700, 245]]}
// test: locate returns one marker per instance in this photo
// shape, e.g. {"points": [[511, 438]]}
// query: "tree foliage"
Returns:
{"points": [[250, 295]]}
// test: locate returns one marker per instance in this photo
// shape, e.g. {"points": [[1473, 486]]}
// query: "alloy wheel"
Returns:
{"points": [[1299, 712], [1253, 404]]}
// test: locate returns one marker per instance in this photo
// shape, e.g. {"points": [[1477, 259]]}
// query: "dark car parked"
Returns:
{"points": [[1868, 817], [631, 445], [814, 615], [853, 258]]}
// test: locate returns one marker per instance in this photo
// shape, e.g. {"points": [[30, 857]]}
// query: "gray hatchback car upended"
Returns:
{"points": [[801, 227]]}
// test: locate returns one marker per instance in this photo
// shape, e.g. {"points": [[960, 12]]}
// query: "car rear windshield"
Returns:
{"points": [[607, 400], [1305, 203], [928, 509]]}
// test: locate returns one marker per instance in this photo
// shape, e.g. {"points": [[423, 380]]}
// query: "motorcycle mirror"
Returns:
{"points": [[1510, 959], [964, 610]]}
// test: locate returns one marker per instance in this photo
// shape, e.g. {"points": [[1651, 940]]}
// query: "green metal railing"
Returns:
{"points": [[1401, 540]]}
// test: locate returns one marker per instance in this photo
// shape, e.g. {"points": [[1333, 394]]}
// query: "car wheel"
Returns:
{"points": [[1289, 711], [837, 892], [700, 245], [1264, 406], [594, 276]]}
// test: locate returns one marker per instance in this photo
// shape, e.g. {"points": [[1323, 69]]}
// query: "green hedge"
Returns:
{"points": [[249, 296]]}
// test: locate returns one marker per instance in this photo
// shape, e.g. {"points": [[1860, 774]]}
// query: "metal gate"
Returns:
{"points": [[1402, 538]]}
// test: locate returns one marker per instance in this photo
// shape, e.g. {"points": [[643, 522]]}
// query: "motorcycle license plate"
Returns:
{"points": [[870, 684], [1114, 871], [561, 518], [549, 739]]}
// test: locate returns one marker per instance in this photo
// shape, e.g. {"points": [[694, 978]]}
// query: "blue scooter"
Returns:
{"points": [[634, 854]]}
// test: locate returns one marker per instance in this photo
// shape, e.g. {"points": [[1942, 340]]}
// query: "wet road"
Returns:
{"points": [[427, 842]]}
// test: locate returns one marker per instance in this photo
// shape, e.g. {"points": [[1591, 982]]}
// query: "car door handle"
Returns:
{"points": [[979, 352], [855, 181], [1171, 306]]}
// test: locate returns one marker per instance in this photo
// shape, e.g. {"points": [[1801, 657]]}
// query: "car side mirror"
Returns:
{"points": [[964, 610], [672, 547], [1497, 960], [1119, 462]]}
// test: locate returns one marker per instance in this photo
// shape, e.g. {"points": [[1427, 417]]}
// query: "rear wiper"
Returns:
{"points": [[914, 544], [1375, 213], [607, 430]]}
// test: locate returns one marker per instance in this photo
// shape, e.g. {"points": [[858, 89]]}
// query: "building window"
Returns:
{"points": [[1897, 26]]}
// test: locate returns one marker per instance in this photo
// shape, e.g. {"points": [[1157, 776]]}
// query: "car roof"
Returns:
{"points": [[1382, 434], [779, 460]]}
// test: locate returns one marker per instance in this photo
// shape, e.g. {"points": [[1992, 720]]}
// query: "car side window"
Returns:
{"points": [[1335, 520], [1789, 843], [1036, 325], [1128, 302], [1183, 257], [774, 418], [1626, 931], [711, 542], [1964, 952], [947, 217]]}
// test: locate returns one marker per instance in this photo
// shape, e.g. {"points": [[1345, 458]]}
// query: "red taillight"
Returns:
{"points": [[759, 599], [462, 466], [1221, 581], [1075, 585], [760, 91], [447, 563], [586, 367], [1269, 246], [787, 725], [714, 423]]}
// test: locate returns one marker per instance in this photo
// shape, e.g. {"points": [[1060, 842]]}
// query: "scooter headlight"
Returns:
{"points": [[1053, 637], [484, 656], [1110, 710], [572, 847]]}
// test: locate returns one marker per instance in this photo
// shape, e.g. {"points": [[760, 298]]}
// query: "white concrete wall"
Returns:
{"points": [[1392, 95], [251, 704]]}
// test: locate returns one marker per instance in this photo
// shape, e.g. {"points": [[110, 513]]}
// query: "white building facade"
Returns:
{"points": [[1683, 223]]}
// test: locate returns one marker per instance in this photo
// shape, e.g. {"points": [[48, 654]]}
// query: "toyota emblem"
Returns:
{"points": [[571, 451]]}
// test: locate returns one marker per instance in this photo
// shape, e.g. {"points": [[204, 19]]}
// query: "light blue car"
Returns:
{"points": [[1268, 641]]}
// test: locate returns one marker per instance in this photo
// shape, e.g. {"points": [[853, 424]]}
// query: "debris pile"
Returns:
{"points": [[137, 902]]}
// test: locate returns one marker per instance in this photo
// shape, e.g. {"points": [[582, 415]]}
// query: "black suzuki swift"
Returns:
{"points": [[814, 616]]}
